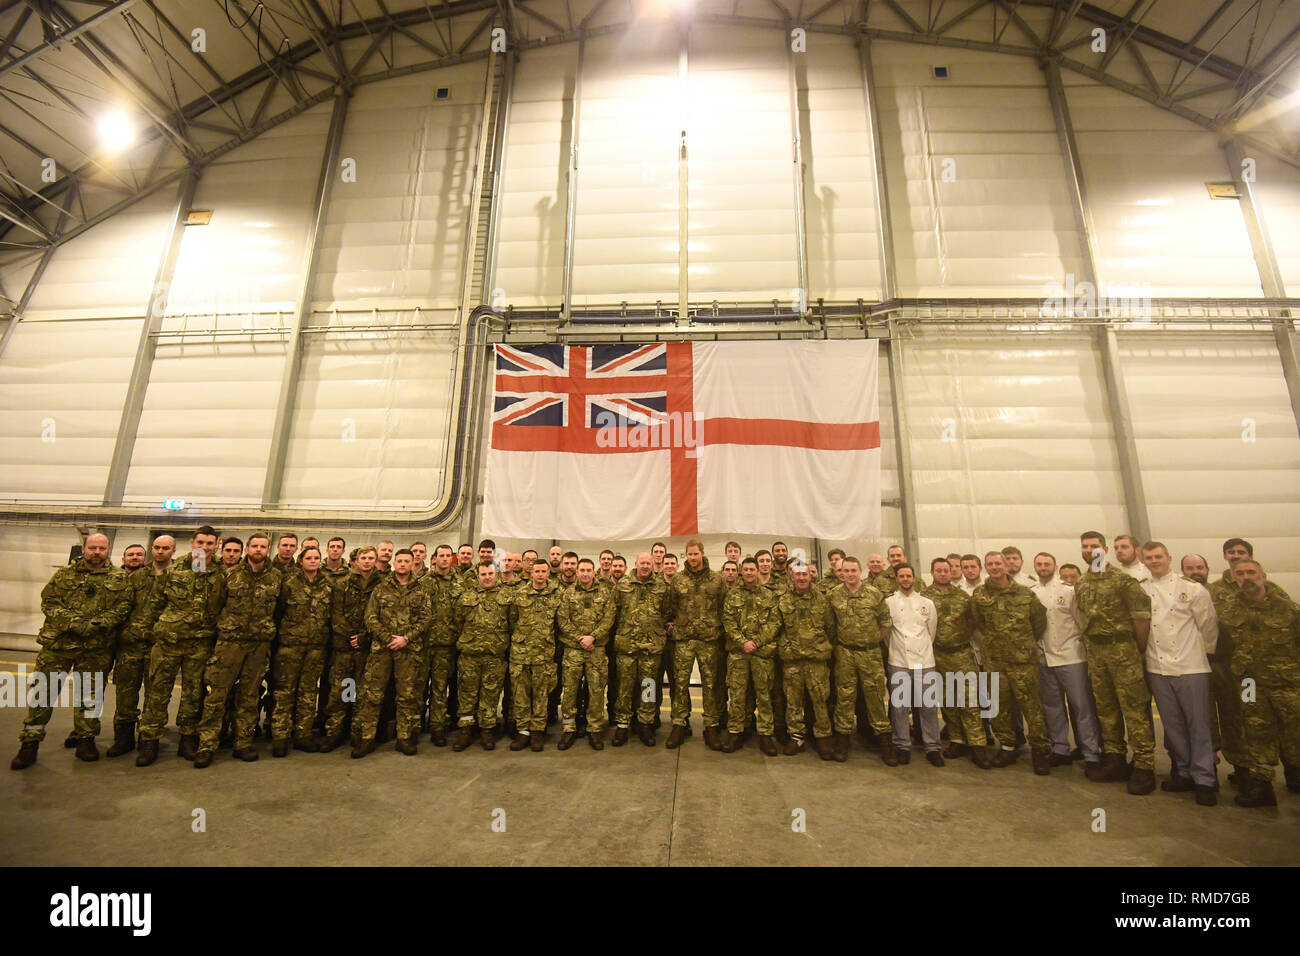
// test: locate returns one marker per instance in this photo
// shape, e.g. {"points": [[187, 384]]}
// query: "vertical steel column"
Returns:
{"points": [[571, 183], [683, 177], [1270, 276], [138, 383], [1135, 503], [796, 158], [889, 292], [497, 173], [302, 313], [34, 281]]}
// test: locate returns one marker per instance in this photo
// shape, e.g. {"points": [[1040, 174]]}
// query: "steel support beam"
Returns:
{"points": [[142, 368], [683, 177], [1135, 504], [798, 121], [571, 181], [902, 442], [329, 171], [497, 172], [884, 221], [32, 283], [1270, 276]]}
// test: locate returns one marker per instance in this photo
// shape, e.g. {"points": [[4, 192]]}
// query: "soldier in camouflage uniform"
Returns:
{"points": [[1265, 628], [184, 605], [751, 622], [532, 654], [83, 603], [351, 645], [1229, 736], [483, 618], [697, 636], [862, 623], [645, 604], [586, 618], [249, 597], [335, 567], [807, 636], [306, 605], [880, 576], [1013, 620], [1116, 616], [444, 587], [397, 617], [133, 645], [953, 654]]}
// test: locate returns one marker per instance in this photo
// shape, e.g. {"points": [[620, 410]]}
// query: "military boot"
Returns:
{"points": [[823, 747], [1238, 776], [306, 745], [952, 750], [279, 748], [86, 749], [979, 756], [487, 738], [840, 745], [1005, 758], [620, 737], [332, 742], [26, 755], [463, 737], [597, 739], [537, 740], [520, 742], [1059, 760], [70, 741], [731, 742], [767, 745], [123, 739], [203, 759], [1113, 769], [888, 751], [1256, 793], [438, 737], [793, 747], [148, 752], [247, 754], [364, 746], [407, 746], [189, 746], [1041, 758], [675, 737], [1177, 784], [1206, 797], [566, 740], [647, 734], [1141, 782], [711, 738]]}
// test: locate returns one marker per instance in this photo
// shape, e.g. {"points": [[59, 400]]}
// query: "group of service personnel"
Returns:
{"points": [[341, 644]]}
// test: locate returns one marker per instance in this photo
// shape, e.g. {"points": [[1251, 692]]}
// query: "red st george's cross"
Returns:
{"points": [[561, 398]]}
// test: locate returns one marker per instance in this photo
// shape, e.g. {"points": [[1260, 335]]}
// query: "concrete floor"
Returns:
{"points": [[630, 805]]}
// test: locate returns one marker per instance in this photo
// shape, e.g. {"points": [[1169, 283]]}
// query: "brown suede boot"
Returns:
{"points": [[1005, 758], [840, 747], [520, 742], [793, 747], [620, 737], [823, 747], [647, 734], [979, 756], [952, 750], [364, 746], [487, 738], [1141, 782], [123, 739], [148, 752], [676, 737], [407, 746], [26, 755], [463, 737], [888, 752], [767, 745], [711, 738], [1256, 793], [203, 759], [731, 742], [86, 749], [566, 740], [537, 741], [596, 738], [1041, 757], [189, 746], [332, 742]]}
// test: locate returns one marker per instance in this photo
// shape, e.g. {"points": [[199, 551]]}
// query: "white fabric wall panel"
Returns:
{"points": [[29, 556], [530, 228], [108, 270], [1002, 225], [395, 237], [372, 421], [205, 431], [1277, 190], [250, 257], [1010, 444], [62, 385], [625, 246], [1158, 230], [741, 198], [1217, 441], [839, 184]]}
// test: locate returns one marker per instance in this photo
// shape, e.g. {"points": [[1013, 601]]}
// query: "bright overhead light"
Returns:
{"points": [[116, 131]]}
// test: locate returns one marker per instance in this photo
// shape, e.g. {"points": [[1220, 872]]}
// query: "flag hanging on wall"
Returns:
{"points": [[612, 442]]}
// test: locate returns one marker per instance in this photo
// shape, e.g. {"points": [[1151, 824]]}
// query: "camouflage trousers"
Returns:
{"points": [[129, 668], [594, 666], [407, 670], [295, 681], [750, 676], [345, 665], [478, 689], [244, 662], [531, 685], [856, 667], [708, 654], [964, 723], [1272, 726], [637, 679], [442, 665], [1119, 684], [1019, 681], [814, 679], [1225, 725], [165, 660], [57, 665]]}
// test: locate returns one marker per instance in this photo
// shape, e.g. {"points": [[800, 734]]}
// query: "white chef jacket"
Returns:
{"points": [[967, 586], [911, 638], [1138, 570], [1184, 627], [1063, 639], [1027, 578]]}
